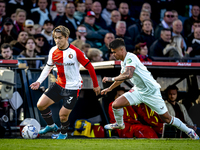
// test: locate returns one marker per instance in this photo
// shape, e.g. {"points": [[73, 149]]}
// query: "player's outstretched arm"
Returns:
{"points": [[97, 90], [35, 85], [114, 85]]}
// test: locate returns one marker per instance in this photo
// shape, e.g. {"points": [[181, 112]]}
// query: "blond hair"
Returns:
{"points": [[63, 30], [18, 10], [93, 52]]}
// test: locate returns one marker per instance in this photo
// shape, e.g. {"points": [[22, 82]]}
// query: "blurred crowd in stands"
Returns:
{"points": [[151, 29]]}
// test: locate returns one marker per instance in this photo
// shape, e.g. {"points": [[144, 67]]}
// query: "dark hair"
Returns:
{"points": [[6, 45], [140, 45], [78, 2], [116, 43], [147, 20], [196, 21], [30, 38], [166, 29], [2, 1], [172, 87], [85, 45]]}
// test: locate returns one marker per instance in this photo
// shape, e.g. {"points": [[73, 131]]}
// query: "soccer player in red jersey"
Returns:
{"points": [[67, 59]]}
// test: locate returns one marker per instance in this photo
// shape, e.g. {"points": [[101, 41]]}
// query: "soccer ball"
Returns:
{"points": [[29, 132]]}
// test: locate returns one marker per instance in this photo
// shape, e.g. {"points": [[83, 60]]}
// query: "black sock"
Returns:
{"points": [[64, 126], [47, 116]]}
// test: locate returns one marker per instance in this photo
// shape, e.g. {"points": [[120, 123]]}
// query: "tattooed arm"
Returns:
{"points": [[128, 73]]}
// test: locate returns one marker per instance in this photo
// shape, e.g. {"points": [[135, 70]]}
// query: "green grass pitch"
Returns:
{"points": [[99, 144]]}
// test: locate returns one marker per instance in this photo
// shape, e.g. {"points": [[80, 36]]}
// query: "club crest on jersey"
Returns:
{"points": [[129, 61], [70, 56]]}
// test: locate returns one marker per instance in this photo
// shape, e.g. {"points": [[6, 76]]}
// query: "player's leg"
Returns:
{"points": [[48, 98], [129, 98], [155, 102], [69, 100], [166, 117]]}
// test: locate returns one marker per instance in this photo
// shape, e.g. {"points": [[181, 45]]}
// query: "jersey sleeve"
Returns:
{"points": [[82, 58], [86, 63]]}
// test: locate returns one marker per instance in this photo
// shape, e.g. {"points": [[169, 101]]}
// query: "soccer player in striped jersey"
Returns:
{"points": [[67, 59]]}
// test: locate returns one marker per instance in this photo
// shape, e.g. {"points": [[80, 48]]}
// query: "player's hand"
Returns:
{"points": [[105, 91], [35, 85], [107, 79], [97, 90]]}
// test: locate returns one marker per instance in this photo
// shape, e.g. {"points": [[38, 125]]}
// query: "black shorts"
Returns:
{"points": [[56, 93]]}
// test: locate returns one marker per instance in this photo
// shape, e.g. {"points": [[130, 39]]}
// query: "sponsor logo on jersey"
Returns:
{"points": [[128, 61], [64, 64], [70, 56]]}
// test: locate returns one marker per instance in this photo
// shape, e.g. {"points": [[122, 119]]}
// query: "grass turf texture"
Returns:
{"points": [[99, 144]]}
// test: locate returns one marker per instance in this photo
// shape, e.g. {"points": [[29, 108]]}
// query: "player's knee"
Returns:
{"points": [[63, 118], [40, 107], [114, 105]]}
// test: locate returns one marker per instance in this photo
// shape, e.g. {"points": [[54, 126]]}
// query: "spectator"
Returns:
{"points": [[13, 17], [175, 13], [177, 28], [29, 52], [69, 21], [106, 13], [60, 10], [97, 9], [2, 13], [29, 27], [165, 23], [81, 37], [120, 33], [88, 5], [149, 117], [124, 10], [53, 7], [85, 48], [7, 35], [194, 49], [94, 32], [19, 44], [80, 11], [141, 50], [19, 23], [47, 32], [190, 37], [109, 37], [146, 6], [6, 51], [41, 47], [156, 49], [146, 34], [38, 29], [136, 28], [13, 5], [115, 17], [177, 109], [41, 13], [133, 127], [187, 26], [95, 55]]}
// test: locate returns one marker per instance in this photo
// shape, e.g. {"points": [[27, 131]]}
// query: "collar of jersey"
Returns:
{"points": [[65, 48]]}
